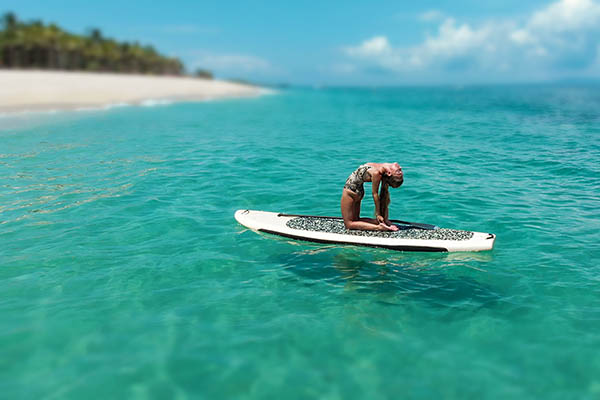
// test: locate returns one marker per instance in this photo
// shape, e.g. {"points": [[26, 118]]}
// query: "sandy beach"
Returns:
{"points": [[59, 90]]}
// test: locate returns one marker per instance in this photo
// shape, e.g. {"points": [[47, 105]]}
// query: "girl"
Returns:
{"points": [[381, 175]]}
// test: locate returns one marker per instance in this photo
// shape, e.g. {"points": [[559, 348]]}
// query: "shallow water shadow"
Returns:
{"points": [[396, 280]]}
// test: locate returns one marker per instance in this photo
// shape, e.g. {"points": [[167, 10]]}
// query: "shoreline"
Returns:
{"points": [[32, 91]]}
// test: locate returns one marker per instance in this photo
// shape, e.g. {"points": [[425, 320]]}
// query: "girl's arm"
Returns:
{"points": [[376, 182], [381, 198]]}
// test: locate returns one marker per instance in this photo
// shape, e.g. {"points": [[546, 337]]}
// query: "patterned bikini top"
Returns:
{"points": [[357, 178]]}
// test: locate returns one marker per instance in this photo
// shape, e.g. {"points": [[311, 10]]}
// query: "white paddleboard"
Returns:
{"points": [[331, 230]]}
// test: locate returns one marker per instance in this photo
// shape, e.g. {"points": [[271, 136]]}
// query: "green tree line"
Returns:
{"points": [[36, 45]]}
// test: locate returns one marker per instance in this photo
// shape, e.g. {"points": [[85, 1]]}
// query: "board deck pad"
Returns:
{"points": [[333, 225]]}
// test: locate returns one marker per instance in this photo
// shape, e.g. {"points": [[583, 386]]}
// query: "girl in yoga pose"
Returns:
{"points": [[381, 175]]}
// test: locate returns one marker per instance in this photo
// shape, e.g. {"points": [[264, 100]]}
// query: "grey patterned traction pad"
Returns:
{"points": [[332, 225]]}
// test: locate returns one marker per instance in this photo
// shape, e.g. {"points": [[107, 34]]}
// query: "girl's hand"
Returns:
{"points": [[392, 226], [386, 224]]}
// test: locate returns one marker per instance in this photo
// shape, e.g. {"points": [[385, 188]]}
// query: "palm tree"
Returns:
{"points": [[34, 44], [9, 21]]}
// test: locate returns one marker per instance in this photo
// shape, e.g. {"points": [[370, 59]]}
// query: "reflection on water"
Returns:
{"points": [[398, 277]]}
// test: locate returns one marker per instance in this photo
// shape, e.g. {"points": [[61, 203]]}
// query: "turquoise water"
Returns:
{"points": [[124, 274]]}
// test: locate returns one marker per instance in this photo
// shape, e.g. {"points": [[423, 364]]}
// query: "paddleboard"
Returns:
{"points": [[331, 230]]}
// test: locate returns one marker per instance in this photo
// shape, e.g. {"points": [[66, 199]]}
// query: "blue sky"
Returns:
{"points": [[353, 43]]}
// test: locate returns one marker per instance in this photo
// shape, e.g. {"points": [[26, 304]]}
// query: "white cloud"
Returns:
{"points": [[453, 40], [561, 36], [566, 15], [431, 15], [376, 46]]}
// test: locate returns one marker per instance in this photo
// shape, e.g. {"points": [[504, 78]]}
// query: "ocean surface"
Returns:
{"points": [[123, 273]]}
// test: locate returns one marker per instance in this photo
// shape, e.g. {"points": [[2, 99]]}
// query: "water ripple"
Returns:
{"points": [[121, 261]]}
